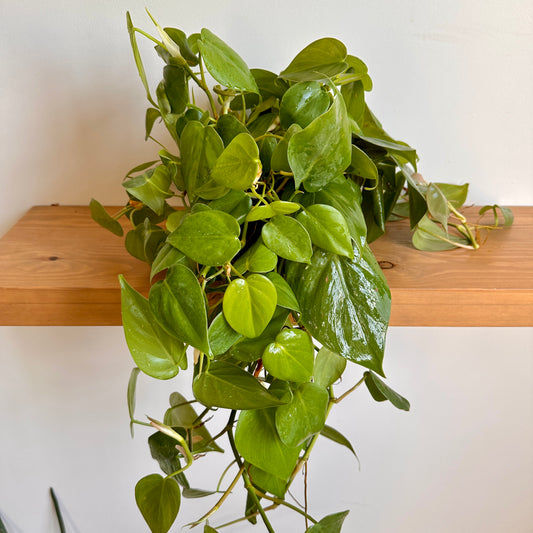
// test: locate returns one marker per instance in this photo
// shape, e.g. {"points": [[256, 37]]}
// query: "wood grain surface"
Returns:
{"points": [[60, 268]]}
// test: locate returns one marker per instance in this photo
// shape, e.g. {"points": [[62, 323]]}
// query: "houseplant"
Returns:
{"points": [[265, 271]]}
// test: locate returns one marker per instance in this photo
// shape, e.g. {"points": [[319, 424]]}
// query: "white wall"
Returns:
{"points": [[451, 78]]}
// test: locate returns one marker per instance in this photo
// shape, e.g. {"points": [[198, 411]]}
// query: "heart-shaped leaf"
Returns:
{"points": [[208, 237], [329, 367], [267, 482], [302, 103], [291, 356], [155, 352], [229, 386], [158, 499], [179, 306], [258, 258], [102, 217], [286, 297], [221, 335], [278, 207], [228, 127], [329, 524], [151, 188], [287, 238], [235, 203], [249, 304], [167, 257]]}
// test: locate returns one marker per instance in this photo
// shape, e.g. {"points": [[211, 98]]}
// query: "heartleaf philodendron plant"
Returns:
{"points": [[264, 268]]}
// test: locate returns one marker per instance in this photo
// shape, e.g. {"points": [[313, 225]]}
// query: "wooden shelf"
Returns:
{"points": [[59, 268]]}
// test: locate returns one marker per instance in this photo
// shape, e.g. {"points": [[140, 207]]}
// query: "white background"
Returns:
{"points": [[453, 79]]}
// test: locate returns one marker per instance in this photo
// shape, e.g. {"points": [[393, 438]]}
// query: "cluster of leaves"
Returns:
{"points": [[265, 269]]}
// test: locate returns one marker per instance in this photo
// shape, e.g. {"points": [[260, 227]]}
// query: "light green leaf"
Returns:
{"points": [[249, 304], [224, 64], [137, 55], [381, 392], [329, 367], [354, 98], [438, 205], [132, 388], [320, 60], [154, 351], [302, 103], [345, 304], [179, 306], [209, 529], [258, 258], [287, 238], [152, 115], [229, 386], [304, 416], [144, 241], [101, 217], [361, 165], [291, 356], [334, 435], [323, 150], [193, 494], [158, 499], [221, 335], [239, 165], [508, 217], [175, 218], [327, 229], [235, 203], [263, 212], [167, 257], [258, 442], [329, 524], [430, 237], [267, 482], [455, 194], [151, 188], [286, 297], [208, 237]]}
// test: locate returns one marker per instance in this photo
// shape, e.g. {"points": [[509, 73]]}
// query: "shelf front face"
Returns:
{"points": [[59, 268]]}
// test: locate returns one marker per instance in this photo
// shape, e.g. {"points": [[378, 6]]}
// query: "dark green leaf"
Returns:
{"points": [[179, 306], [170, 119], [249, 304], [320, 60], [381, 392], [208, 237], [228, 127], [329, 524], [163, 450], [176, 88], [221, 335], [151, 188], [152, 115], [287, 238], [304, 416], [286, 297], [154, 351], [258, 442], [229, 386], [327, 229], [374, 211], [361, 165], [417, 206], [354, 98], [209, 529], [101, 217], [224, 64], [323, 150], [302, 103], [167, 257], [334, 435], [158, 499], [267, 145], [239, 165], [291, 356], [181, 40], [196, 493], [137, 55], [345, 304], [329, 367], [235, 203], [280, 159], [144, 241], [269, 84]]}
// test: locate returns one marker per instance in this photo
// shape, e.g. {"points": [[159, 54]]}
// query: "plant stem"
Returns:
{"points": [[349, 391], [58, 511], [285, 503], [248, 516], [206, 90]]}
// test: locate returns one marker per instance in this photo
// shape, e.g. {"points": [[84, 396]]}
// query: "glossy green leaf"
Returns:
{"points": [[438, 205], [235, 203], [224, 64], [291, 356], [239, 165], [104, 219], [200, 147], [250, 350], [278, 207], [208, 237], [176, 88], [144, 241], [302, 103], [179, 306], [323, 150], [430, 237], [329, 524], [327, 229], [336, 436], [361, 165], [345, 304], [258, 258], [287, 238], [229, 386], [267, 482], [132, 388], [280, 159], [258, 442], [221, 335], [158, 499], [267, 145], [286, 297], [329, 367], [304, 416], [151, 187], [154, 351], [261, 124], [320, 60], [175, 219], [249, 304], [181, 414], [455, 194], [381, 392], [344, 196], [373, 207], [167, 257], [228, 127]]}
